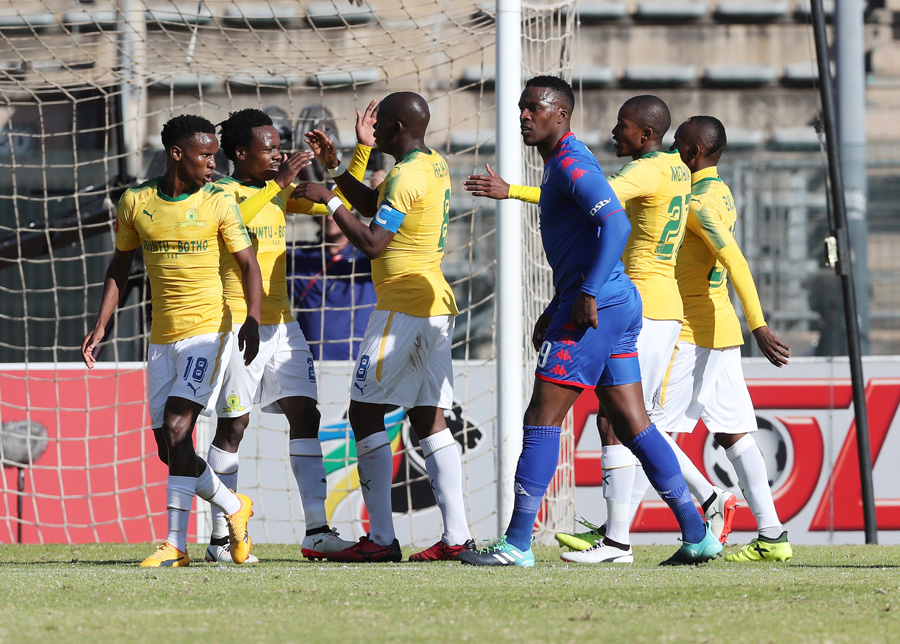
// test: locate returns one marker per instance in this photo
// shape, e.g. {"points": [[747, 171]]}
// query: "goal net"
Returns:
{"points": [[85, 90]]}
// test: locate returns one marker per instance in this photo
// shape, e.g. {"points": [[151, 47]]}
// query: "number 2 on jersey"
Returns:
{"points": [[673, 232], [446, 225]]}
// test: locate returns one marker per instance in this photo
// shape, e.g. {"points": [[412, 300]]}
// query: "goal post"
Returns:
{"points": [[84, 93]]}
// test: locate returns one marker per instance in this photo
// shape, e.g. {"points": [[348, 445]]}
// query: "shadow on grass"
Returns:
{"points": [[847, 566], [76, 562]]}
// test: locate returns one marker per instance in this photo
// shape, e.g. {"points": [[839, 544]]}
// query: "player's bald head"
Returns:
{"points": [[648, 111], [409, 108], [707, 132]]}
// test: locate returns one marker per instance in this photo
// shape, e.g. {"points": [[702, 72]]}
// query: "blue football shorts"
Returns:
{"points": [[587, 357]]}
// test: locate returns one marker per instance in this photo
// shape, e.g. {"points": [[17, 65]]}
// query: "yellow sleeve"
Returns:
{"points": [[251, 206], [528, 194], [231, 225], [635, 179], [127, 237], [734, 262], [357, 170]]}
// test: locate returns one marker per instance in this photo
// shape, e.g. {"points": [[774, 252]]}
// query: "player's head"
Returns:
{"points": [[401, 122], [251, 141], [191, 146], [700, 141], [545, 110], [642, 122]]}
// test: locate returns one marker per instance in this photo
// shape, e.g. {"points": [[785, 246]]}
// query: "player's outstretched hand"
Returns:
{"points": [[248, 339], [584, 311], [487, 185], [291, 167], [540, 329], [776, 351], [91, 340], [315, 192], [323, 147], [365, 125]]}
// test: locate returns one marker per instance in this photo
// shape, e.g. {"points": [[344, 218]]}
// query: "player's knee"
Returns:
{"points": [[305, 423], [230, 432], [176, 430]]}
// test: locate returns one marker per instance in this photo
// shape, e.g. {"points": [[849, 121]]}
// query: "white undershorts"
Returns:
{"points": [[189, 368], [655, 345], [405, 360], [283, 368], [708, 384]]}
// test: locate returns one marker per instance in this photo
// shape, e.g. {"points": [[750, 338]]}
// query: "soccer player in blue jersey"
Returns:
{"points": [[586, 336]]}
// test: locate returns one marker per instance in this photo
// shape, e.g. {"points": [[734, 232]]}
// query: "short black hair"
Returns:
{"points": [[237, 129], [557, 85], [652, 112], [711, 133], [181, 128]]}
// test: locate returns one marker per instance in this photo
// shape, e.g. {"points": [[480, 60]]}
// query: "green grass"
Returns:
{"points": [[61, 593]]}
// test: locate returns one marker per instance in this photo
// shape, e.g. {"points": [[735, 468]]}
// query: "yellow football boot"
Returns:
{"points": [[761, 549], [238, 536], [167, 556]]}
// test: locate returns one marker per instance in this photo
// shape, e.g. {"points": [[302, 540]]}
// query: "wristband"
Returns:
{"points": [[333, 204], [338, 171]]}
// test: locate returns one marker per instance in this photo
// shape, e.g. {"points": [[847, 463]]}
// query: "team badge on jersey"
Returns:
{"points": [[191, 218]]}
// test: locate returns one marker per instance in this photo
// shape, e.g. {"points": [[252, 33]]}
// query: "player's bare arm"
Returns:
{"points": [[584, 311], [371, 240], [116, 277], [540, 329], [291, 167], [248, 336], [360, 196], [489, 185], [775, 350]]}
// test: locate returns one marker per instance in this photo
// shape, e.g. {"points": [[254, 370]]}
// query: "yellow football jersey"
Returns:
{"points": [[263, 211], [407, 275], [656, 192], [180, 240], [708, 255], [267, 233]]}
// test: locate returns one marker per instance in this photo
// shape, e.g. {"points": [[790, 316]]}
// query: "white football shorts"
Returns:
{"points": [[405, 360], [283, 368], [655, 345], [190, 368], [708, 384]]}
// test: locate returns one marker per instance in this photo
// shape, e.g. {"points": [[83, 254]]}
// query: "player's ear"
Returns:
{"points": [[176, 153], [240, 152]]}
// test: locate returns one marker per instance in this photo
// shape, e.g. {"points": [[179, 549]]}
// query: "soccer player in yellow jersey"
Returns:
{"points": [[177, 220], [705, 379], [404, 358], [282, 379]]}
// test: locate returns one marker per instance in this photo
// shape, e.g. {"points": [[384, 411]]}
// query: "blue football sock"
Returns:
{"points": [[661, 467], [535, 470]]}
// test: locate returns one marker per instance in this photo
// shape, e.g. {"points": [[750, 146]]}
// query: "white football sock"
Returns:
{"points": [[309, 472], [701, 488], [210, 488], [225, 466], [445, 475], [750, 468], [638, 490], [375, 468], [618, 482], [179, 498]]}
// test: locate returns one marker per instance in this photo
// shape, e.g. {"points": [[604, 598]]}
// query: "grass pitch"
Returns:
{"points": [[62, 593]]}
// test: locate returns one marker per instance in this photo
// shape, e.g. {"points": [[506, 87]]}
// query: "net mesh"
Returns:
{"points": [[84, 91]]}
